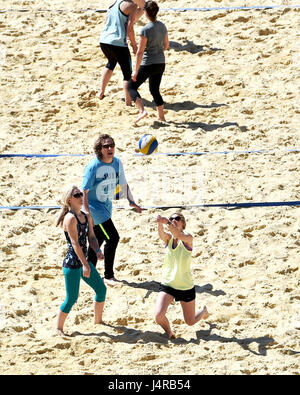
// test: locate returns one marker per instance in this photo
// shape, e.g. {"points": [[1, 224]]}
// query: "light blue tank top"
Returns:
{"points": [[115, 30]]}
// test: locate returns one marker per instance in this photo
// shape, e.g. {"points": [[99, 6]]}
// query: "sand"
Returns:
{"points": [[231, 84]]}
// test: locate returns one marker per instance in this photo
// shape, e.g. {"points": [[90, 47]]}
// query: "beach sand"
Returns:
{"points": [[231, 84]]}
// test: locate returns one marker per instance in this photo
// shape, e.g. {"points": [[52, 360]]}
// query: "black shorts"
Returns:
{"points": [[120, 55], [183, 296]]}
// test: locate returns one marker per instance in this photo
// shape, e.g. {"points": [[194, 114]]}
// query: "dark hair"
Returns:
{"points": [[98, 144], [152, 9]]}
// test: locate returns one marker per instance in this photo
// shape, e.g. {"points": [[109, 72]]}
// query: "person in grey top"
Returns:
{"points": [[150, 61]]}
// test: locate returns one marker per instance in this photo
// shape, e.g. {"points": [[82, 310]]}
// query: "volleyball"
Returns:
{"points": [[148, 144]]}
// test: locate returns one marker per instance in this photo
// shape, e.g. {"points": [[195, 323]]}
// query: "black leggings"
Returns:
{"points": [[119, 55], [154, 72], [106, 232]]}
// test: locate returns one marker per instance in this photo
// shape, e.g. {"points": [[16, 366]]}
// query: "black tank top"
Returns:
{"points": [[71, 260]]}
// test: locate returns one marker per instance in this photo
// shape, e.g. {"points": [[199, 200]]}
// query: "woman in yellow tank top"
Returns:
{"points": [[177, 282]]}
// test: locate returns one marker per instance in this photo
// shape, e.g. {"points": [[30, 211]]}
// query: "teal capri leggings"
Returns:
{"points": [[72, 281]]}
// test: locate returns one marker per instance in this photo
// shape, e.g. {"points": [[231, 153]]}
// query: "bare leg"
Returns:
{"points": [[60, 322], [98, 310], [162, 303], [126, 93], [104, 81], [190, 315], [161, 115], [142, 112]]}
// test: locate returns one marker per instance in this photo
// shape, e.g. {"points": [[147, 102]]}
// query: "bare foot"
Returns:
{"points": [[61, 333], [110, 281], [169, 335], [141, 116], [204, 313], [161, 119], [100, 95]]}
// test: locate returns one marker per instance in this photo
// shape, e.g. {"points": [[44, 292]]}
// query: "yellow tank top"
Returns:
{"points": [[176, 267]]}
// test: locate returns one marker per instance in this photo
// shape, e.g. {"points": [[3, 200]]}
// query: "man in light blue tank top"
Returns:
{"points": [[101, 177], [115, 30], [121, 16]]}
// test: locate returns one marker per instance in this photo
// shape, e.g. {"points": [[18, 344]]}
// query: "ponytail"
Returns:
{"points": [[61, 215], [65, 208]]}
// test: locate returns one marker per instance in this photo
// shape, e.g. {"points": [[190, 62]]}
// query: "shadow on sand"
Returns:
{"points": [[192, 48], [132, 336], [208, 127], [153, 286], [185, 105]]}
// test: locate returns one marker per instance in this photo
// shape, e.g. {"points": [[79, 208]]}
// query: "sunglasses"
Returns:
{"points": [[106, 146], [176, 218], [78, 195]]}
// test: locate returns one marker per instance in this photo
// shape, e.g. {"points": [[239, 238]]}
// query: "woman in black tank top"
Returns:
{"points": [[78, 227], [71, 260]]}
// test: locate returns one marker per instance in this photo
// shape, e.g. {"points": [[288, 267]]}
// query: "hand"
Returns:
{"points": [[133, 76], [162, 220], [138, 209], [86, 271], [100, 256]]}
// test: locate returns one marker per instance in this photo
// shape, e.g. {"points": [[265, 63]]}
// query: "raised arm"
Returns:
{"points": [[165, 237], [177, 234]]}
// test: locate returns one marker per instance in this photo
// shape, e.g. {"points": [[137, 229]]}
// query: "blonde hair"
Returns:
{"points": [[65, 207], [182, 219]]}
